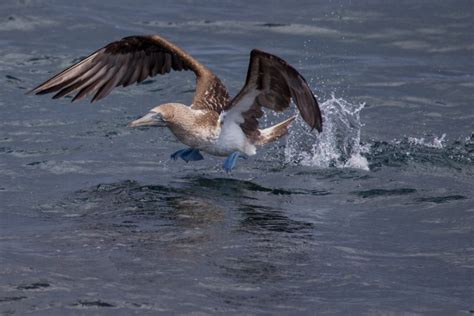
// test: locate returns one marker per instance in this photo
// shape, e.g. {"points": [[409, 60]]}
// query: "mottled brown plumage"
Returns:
{"points": [[213, 123]]}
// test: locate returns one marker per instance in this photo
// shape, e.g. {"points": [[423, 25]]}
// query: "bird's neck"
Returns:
{"points": [[192, 127]]}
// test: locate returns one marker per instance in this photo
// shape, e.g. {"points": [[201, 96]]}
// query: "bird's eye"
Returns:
{"points": [[157, 116]]}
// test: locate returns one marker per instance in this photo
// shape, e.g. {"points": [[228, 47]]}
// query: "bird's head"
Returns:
{"points": [[158, 116]]}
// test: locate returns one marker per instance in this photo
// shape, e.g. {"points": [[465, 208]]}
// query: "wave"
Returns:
{"points": [[428, 150]]}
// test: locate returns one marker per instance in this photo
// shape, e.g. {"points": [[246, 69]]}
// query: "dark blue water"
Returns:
{"points": [[374, 216]]}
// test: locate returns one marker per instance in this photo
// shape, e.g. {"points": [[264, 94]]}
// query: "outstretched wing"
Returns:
{"points": [[132, 60], [271, 83]]}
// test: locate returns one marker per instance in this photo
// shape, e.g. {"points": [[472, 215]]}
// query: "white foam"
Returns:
{"points": [[436, 142], [357, 161]]}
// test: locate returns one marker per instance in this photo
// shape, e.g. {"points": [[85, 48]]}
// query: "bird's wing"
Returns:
{"points": [[130, 60], [272, 83]]}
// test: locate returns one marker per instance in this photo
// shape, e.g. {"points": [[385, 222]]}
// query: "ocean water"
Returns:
{"points": [[374, 216]]}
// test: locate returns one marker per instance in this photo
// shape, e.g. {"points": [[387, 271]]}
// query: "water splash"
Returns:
{"points": [[436, 142], [339, 144]]}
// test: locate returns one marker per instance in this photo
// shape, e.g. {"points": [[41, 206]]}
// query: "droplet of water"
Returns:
{"points": [[339, 143]]}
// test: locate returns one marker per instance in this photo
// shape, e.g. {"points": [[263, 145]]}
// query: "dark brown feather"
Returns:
{"points": [[273, 83], [108, 85], [132, 60]]}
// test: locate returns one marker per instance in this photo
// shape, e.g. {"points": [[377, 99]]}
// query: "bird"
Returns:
{"points": [[214, 123]]}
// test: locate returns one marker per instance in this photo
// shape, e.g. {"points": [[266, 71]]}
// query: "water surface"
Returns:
{"points": [[374, 216]]}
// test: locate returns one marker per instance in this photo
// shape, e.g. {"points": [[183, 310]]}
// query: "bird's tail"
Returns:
{"points": [[274, 132]]}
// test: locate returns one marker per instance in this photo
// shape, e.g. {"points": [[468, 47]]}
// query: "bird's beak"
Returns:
{"points": [[151, 119]]}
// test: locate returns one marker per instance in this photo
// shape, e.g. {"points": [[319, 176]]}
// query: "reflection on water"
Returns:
{"points": [[148, 233], [197, 203], [181, 212], [260, 218]]}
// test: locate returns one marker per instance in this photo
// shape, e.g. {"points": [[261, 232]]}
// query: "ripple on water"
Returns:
{"points": [[246, 26], [95, 303], [34, 286], [372, 193], [442, 199], [24, 23]]}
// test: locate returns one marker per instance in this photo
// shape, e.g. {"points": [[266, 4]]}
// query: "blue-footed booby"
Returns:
{"points": [[214, 123]]}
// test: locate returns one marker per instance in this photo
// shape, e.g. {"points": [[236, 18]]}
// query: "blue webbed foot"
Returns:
{"points": [[229, 162], [177, 154], [188, 154], [193, 155]]}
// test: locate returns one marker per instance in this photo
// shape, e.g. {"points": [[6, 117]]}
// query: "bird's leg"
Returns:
{"points": [[229, 162], [188, 154]]}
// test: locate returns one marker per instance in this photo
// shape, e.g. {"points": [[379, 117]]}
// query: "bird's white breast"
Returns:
{"points": [[231, 136], [231, 139]]}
